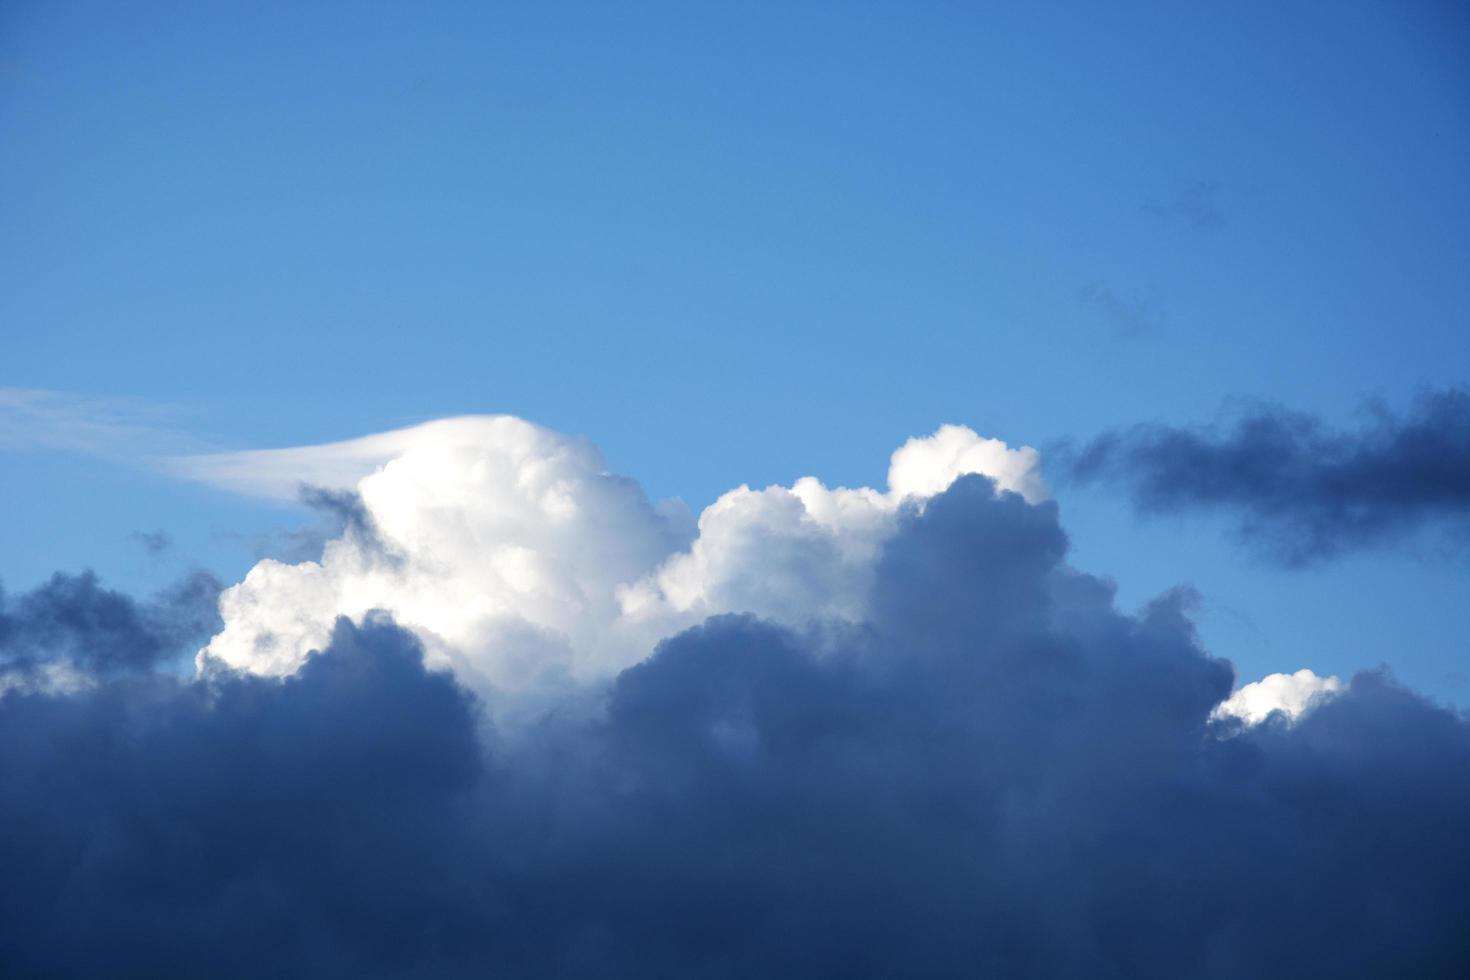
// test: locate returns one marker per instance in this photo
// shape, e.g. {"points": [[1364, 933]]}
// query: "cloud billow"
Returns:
{"points": [[520, 561], [1299, 492], [993, 772]]}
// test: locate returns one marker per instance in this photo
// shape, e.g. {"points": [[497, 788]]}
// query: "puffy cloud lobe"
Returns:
{"points": [[520, 561], [808, 552], [500, 544], [996, 772], [1291, 694], [1302, 494]]}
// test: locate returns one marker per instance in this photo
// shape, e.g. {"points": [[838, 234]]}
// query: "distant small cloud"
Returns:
{"points": [[155, 543], [1196, 206], [1128, 317]]}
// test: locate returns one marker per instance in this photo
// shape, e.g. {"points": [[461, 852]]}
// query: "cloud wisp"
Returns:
{"points": [[126, 429], [1300, 492]]}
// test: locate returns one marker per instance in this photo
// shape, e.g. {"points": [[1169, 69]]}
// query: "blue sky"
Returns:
{"points": [[743, 244]]}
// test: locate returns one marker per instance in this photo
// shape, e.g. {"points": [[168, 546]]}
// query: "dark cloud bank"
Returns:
{"points": [[1000, 776], [1301, 493]]}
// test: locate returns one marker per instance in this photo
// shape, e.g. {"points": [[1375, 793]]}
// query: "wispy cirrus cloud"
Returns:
{"points": [[128, 429]]}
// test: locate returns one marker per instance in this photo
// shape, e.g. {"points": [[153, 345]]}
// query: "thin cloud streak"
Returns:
{"points": [[121, 429]]}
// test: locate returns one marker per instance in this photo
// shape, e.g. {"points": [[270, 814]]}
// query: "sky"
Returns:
{"points": [[741, 245], [1187, 285]]}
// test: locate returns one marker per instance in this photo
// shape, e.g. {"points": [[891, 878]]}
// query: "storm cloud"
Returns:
{"points": [[1300, 492], [994, 772]]}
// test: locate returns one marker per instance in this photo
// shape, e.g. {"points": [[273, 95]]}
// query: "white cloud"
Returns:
{"points": [[806, 551], [1293, 694], [280, 473], [523, 564], [924, 467]]}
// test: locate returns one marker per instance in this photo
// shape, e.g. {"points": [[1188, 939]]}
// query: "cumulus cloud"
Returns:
{"points": [[1301, 492], [994, 772], [1291, 694], [517, 559]]}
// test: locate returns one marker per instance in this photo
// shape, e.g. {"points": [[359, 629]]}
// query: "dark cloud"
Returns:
{"points": [[999, 775], [339, 513], [72, 617], [1301, 492], [343, 508]]}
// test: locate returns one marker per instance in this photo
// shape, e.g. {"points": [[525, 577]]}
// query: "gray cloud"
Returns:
{"points": [[74, 618], [1300, 493]]}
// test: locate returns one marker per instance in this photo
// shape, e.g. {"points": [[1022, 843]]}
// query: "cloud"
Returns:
{"points": [[1196, 206], [155, 543], [993, 772], [281, 474], [33, 419], [337, 512], [240, 828], [70, 630], [1291, 694], [1300, 492], [518, 560], [1129, 318]]}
